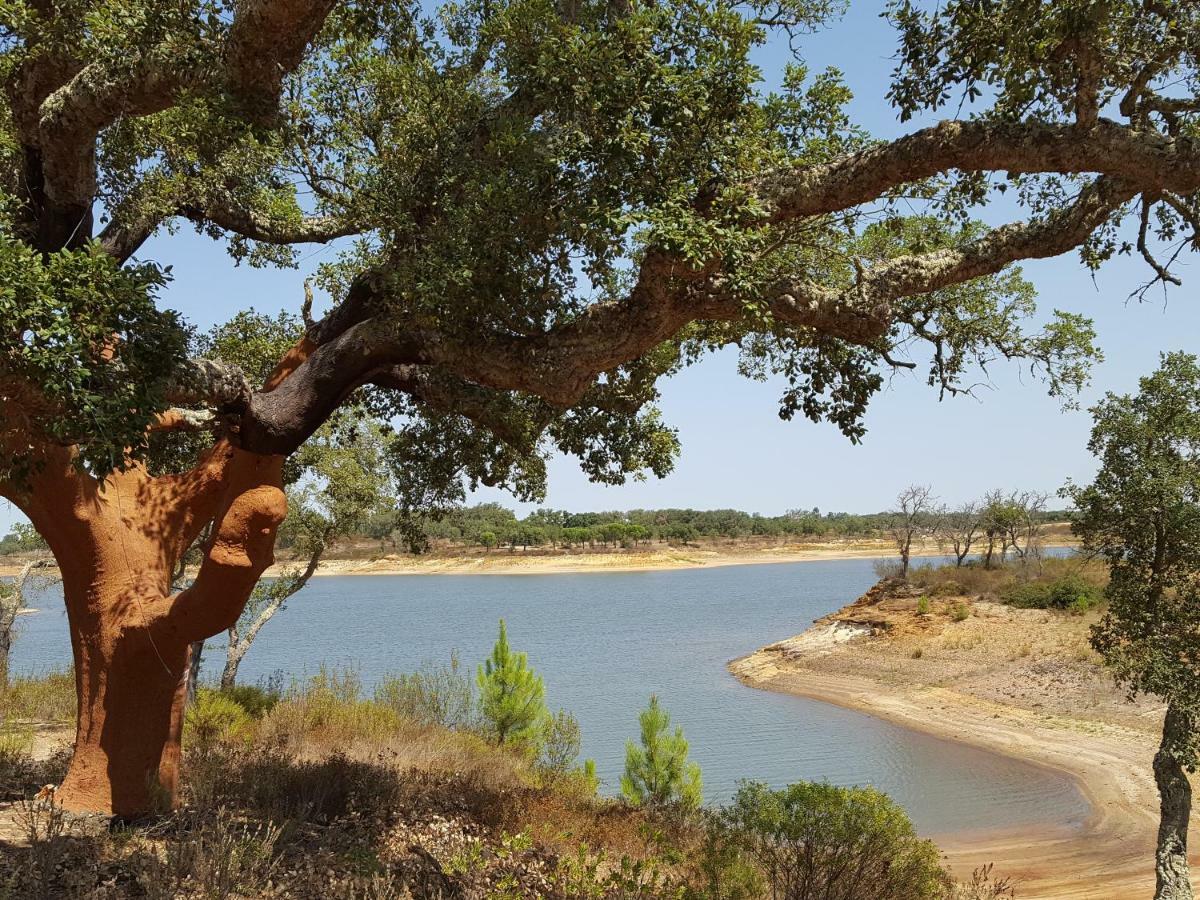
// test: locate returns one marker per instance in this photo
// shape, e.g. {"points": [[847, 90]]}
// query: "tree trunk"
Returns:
{"points": [[117, 543], [10, 605], [1175, 808], [193, 675], [131, 683], [233, 659]]}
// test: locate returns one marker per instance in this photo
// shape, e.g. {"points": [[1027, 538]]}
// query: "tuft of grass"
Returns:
{"points": [[960, 612], [329, 709], [47, 699]]}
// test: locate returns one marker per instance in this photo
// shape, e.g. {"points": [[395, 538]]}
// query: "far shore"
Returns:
{"points": [[1108, 856], [663, 558]]}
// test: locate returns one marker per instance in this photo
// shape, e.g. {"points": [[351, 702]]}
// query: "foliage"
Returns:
{"points": [[1141, 514], [806, 837], [45, 698], [212, 718], [658, 772], [1071, 591], [432, 695], [560, 743], [511, 696], [86, 332], [255, 700], [22, 539]]}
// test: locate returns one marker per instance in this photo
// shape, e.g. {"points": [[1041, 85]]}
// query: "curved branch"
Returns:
{"points": [[1139, 158], [257, 226]]}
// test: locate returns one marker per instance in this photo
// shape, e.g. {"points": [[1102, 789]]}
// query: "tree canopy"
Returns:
{"points": [[543, 207]]}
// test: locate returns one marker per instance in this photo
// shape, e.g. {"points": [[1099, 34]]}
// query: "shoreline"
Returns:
{"points": [[667, 560], [1109, 855]]}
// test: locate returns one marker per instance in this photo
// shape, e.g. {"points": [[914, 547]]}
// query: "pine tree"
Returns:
{"points": [[511, 695], [658, 772]]}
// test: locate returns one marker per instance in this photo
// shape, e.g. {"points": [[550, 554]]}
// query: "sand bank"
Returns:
{"points": [[1110, 854]]}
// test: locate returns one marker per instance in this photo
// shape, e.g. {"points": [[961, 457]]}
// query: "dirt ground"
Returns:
{"points": [[1022, 682]]}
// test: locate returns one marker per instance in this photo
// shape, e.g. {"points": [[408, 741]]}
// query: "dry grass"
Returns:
{"points": [[42, 699], [332, 795]]}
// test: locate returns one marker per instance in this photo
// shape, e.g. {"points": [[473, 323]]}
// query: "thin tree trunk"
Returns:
{"points": [[1175, 808], [10, 607], [239, 645], [195, 655]]}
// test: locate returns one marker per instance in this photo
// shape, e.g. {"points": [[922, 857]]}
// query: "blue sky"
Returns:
{"points": [[736, 452]]}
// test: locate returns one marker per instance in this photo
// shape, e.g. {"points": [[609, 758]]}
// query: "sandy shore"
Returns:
{"points": [[502, 562], [1110, 855]]}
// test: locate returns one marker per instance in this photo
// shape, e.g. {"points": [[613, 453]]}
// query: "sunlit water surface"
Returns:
{"points": [[604, 642]]}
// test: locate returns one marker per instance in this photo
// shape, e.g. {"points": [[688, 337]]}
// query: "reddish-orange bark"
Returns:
{"points": [[116, 543]]}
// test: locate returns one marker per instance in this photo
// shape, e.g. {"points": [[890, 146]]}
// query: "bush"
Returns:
{"points": [[256, 701], [560, 743], [960, 612], [1070, 591], [433, 695], [511, 696], [328, 708], [214, 718], [805, 838], [923, 605]]}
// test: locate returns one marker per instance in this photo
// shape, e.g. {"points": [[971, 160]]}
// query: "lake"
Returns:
{"points": [[605, 641]]}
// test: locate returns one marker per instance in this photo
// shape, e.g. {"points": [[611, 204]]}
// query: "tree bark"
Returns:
{"points": [[1175, 808], [116, 544], [193, 676]]}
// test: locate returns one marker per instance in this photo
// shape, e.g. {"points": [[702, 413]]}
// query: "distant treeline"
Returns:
{"points": [[492, 525]]}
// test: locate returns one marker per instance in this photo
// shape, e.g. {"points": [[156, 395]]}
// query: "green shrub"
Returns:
{"points": [[329, 708], [560, 743], [256, 701], [1069, 591], [961, 612], [658, 772], [511, 696], [432, 695], [805, 838], [214, 718], [923, 606]]}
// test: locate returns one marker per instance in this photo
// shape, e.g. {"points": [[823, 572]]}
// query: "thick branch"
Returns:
{"points": [[256, 226], [267, 41], [560, 364], [1138, 158], [211, 384]]}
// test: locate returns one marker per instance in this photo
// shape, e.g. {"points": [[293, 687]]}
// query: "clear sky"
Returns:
{"points": [[736, 452]]}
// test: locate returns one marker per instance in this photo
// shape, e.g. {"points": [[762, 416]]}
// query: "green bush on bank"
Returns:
{"points": [[1069, 592], [803, 840]]}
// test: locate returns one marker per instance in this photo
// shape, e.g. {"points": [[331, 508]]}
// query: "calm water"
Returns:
{"points": [[604, 642]]}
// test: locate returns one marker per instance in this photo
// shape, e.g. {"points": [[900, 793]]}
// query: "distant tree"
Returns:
{"points": [[658, 772], [915, 517], [959, 529], [22, 539], [511, 696], [1026, 525], [487, 539], [808, 838], [1142, 514]]}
